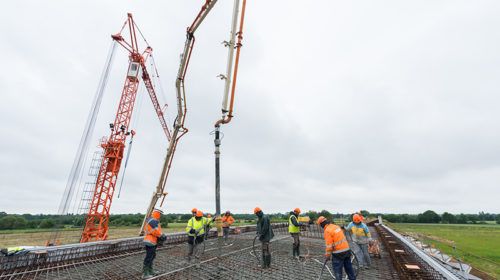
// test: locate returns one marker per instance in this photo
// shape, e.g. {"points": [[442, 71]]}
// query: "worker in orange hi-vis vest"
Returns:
{"points": [[337, 249], [227, 221], [152, 237], [361, 236]]}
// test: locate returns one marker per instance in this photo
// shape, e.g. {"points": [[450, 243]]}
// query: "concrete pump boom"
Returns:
{"points": [[230, 82], [179, 129]]}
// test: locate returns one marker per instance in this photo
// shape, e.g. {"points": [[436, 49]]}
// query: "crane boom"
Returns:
{"points": [[179, 129], [97, 219]]}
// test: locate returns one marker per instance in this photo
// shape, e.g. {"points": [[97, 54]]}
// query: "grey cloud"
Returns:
{"points": [[339, 106]]}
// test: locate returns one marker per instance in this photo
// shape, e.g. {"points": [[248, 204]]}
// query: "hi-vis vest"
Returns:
{"points": [[152, 231], [291, 227], [360, 233], [335, 239], [227, 221], [198, 226]]}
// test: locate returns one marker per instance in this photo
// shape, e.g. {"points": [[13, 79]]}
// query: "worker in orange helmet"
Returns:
{"points": [[361, 236], [265, 234], [196, 232], [337, 249], [227, 221], [153, 236], [193, 211], [294, 230]]}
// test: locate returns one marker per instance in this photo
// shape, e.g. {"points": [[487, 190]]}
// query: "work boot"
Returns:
{"points": [[268, 261], [152, 271], [146, 274]]}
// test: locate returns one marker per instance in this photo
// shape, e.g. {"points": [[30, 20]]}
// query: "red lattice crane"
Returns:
{"points": [[97, 219]]}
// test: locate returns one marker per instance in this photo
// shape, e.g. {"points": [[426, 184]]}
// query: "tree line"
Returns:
{"points": [[430, 216], [42, 221]]}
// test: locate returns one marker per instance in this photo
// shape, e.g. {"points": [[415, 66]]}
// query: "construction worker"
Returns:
{"points": [[227, 221], [294, 230], [13, 251], [152, 236], [265, 234], [193, 211], [337, 249], [361, 236], [196, 232]]}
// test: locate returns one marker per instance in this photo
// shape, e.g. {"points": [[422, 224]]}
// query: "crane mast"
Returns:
{"points": [[179, 129], [97, 219]]}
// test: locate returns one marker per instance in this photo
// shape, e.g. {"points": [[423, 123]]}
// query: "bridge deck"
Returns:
{"points": [[236, 260]]}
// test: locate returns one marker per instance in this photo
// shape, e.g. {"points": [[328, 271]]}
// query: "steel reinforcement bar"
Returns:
{"points": [[410, 263], [49, 256]]}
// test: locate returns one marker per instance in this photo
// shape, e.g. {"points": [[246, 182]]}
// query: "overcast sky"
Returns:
{"points": [[388, 106]]}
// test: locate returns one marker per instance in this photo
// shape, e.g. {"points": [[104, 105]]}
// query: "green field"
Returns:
{"points": [[478, 245], [38, 237]]}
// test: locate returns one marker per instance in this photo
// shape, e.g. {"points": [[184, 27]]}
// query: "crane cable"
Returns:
{"points": [[126, 163], [81, 153], [156, 76], [135, 124]]}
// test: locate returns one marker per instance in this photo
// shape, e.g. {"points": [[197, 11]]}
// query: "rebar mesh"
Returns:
{"points": [[236, 260]]}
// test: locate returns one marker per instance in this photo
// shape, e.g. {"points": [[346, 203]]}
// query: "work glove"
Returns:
{"points": [[192, 231], [328, 256], [161, 239]]}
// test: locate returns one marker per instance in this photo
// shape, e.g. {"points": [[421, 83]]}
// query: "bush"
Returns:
{"points": [[47, 223], [12, 222], [448, 218], [429, 216]]}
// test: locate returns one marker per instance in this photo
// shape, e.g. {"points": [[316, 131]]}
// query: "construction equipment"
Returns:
{"points": [[179, 129], [96, 221], [233, 44]]}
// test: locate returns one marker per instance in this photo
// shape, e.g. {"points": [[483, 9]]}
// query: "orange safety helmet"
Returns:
{"points": [[320, 220], [199, 214], [256, 210], [357, 218], [296, 211], [156, 214], [194, 210]]}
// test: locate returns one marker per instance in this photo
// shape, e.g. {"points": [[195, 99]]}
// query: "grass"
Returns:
{"points": [[478, 245]]}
